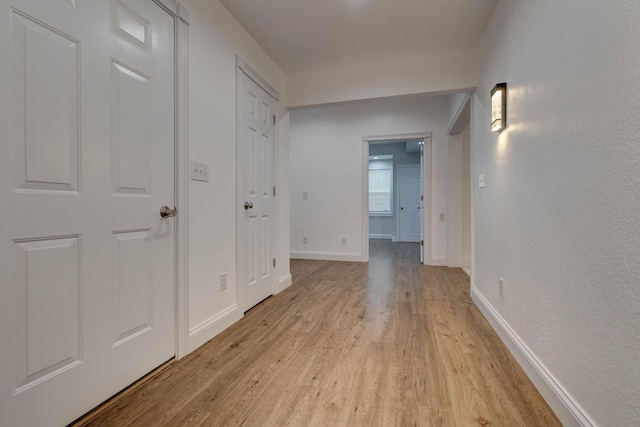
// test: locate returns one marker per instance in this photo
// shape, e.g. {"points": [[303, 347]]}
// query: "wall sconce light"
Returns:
{"points": [[499, 107]]}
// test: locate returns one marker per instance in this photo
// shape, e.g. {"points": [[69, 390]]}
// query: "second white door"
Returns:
{"points": [[410, 205], [256, 181]]}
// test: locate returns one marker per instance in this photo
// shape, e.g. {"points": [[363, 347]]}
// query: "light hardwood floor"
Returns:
{"points": [[389, 343]]}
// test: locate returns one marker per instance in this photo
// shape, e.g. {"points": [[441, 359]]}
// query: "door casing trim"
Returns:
{"points": [[181, 108]]}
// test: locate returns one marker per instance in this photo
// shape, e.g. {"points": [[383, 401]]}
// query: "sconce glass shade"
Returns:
{"points": [[499, 107]]}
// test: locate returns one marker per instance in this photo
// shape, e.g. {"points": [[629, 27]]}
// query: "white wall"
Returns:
{"points": [[326, 161], [388, 225], [284, 274], [455, 105], [559, 218], [214, 40], [466, 199], [454, 211], [438, 73]]}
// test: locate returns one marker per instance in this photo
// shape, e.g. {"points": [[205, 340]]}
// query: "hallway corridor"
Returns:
{"points": [[388, 343]]}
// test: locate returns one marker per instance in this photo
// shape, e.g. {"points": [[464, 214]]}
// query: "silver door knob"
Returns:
{"points": [[167, 212], [248, 205]]}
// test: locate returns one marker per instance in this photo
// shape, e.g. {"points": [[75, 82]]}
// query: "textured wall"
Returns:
{"points": [[559, 218]]}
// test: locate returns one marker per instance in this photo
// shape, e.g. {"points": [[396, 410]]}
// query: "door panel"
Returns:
{"points": [[256, 150], [46, 124], [131, 139], [48, 282], [86, 162], [132, 280], [129, 25]]}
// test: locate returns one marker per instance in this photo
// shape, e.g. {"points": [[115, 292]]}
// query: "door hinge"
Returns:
{"points": [[274, 119], [421, 242], [274, 262], [274, 191], [422, 198]]}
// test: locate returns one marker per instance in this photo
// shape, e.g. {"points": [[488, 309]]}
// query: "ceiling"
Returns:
{"points": [[305, 35]]}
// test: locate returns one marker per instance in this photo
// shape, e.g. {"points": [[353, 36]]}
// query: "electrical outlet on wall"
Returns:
{"points": [[223, 282], [500, 286], [442, 217], [305, 195], [305, 240], [343, 241]]}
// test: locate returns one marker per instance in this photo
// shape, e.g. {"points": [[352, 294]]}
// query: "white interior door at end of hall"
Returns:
{"points": [[410, 205], [422, 208], [86, 162], [256, 270]]}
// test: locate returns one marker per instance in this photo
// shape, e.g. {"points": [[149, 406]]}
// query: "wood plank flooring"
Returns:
{"points": [[389, 343]]}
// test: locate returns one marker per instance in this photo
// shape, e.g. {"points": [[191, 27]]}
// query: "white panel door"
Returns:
{"points": [[410, 205], [422, 208], [86, 162], [256, 151]]}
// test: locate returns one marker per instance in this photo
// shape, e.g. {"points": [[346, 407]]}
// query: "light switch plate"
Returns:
{"points": [[481, 180], [199, 171]]}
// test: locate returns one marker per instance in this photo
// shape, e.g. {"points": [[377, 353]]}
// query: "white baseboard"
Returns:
{"points": [[394, 238], [284, 282], [439, 261], [381, 236], [467, 270], [328, 256], [213, 326], [565, 407]]}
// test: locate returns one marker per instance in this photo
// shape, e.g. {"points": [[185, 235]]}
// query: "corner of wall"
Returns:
{"points": [[284, 282], [213, 326], [329, 256], [564, 406], [439, 261]]}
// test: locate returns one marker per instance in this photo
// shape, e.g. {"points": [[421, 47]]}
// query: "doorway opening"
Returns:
{"points": [[395, 199]]}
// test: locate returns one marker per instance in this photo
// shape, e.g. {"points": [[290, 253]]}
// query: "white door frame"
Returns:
{"points": [[243, 69], [464, 116], [181, 40], [426, 185], [472, 183]]}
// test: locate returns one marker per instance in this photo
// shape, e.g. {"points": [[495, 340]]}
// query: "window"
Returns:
{"points": [[380, 190], [380, 185]]}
